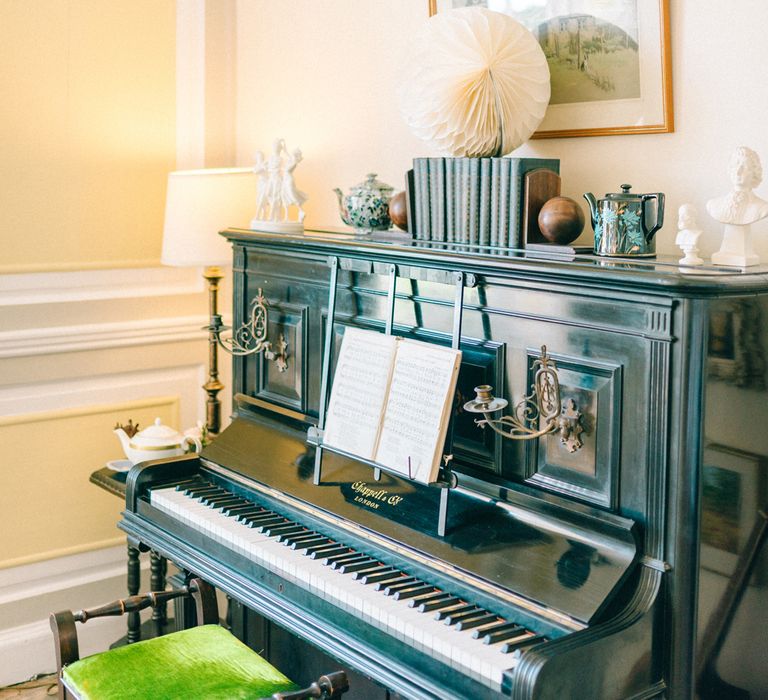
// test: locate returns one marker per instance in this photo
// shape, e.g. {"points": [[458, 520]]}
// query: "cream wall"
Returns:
{"points": [[92, 329], [324, 76], [87, 132]]}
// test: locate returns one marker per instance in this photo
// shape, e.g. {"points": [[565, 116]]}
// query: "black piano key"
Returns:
{"points": [[367, 565], [244, 507], [190, 483], [402, 581], [349, 555], [289, 528], [315, 542], [204, 486], [518, 639], [413, 592], [364, 577], [488, 619], [265, 518], [381, 576], [288, 540], [363, 559], [520, 646], [265, 525], [207, 498], [258, 517], [438, 604], [329, 549], [453, 618], [320, 546], [396, 587], [501, 627], [458, 610], [203, 492], [220, 501], [244, 510], [501, 633], [435, 597], [250, 519]]}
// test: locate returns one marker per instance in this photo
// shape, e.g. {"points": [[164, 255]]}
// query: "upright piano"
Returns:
{"points": [[562, 568]]}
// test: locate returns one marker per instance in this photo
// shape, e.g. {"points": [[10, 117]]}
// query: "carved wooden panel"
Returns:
{"points": [[281, 372], [590, 472]]}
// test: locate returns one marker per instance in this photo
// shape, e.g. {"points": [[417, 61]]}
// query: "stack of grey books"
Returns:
{"points": [[472, 201]]}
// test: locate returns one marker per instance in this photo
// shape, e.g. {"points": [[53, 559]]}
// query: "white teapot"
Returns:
{"points": [[155, 442]]}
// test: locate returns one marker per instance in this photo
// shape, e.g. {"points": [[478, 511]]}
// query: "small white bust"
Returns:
{"points": [[739, 209], [688, 235]]}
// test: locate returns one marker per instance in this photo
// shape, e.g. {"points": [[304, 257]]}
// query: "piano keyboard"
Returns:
{"points": [[462, 635]]}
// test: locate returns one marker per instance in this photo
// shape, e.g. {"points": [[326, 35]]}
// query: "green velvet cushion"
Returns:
{"points": [[202, 662]]}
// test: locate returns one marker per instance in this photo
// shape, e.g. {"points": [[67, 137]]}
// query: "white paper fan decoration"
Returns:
{"points": [[477, 83]]}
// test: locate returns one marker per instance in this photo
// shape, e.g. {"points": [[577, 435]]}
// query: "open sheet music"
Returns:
{"points": [[390, 401]]}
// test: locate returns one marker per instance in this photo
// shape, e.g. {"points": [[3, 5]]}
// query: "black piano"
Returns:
{"points": [[545, 568]]}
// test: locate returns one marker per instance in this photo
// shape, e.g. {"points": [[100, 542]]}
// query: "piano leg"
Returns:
{"points": [[158, 568], [134, 583]]}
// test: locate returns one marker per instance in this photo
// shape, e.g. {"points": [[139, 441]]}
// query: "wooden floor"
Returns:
{"points": [[39, 689]]}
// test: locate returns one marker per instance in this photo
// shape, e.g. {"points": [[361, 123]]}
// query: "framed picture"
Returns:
{"points": [[735, 352], [733, 482], [609, 61]]}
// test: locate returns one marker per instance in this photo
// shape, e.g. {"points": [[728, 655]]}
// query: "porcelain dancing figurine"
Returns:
{"points": [[688, 235], [276, 192], [739, 209]]}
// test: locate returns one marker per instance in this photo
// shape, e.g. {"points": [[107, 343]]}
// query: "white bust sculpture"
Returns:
{"points": [[276, 192], [739, 209], [688, 235]]}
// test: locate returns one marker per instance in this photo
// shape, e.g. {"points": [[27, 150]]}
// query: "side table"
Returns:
{"points": [[114, 483]]}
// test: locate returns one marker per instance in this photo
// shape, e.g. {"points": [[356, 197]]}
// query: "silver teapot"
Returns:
{"points": [[622, 222]]}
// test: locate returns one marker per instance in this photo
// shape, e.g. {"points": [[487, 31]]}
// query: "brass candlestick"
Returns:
{"points": [[213, 386]]}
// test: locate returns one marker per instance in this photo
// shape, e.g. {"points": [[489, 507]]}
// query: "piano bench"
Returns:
{"points": [[205, 661]]}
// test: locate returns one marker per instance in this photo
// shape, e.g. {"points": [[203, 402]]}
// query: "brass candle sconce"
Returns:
{"points": [[539, 413], [251, 337]]}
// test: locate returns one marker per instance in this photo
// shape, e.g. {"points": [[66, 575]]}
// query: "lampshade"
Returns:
{"points": [[199, 204]]}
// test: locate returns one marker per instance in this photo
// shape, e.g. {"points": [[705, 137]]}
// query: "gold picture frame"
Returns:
{"points": [[733, 482], [624, 90]]}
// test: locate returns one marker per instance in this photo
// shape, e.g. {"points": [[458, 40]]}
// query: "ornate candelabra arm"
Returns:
{"points": [[515, 431], [541, 408], [251, 337]]}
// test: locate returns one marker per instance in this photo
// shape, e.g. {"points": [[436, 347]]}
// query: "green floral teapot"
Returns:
{"points": [[366, 207], [622, 222]]}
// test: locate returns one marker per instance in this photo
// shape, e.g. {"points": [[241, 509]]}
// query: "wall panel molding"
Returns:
{"points": [[122, 387], [93, 285], [99, 336]]}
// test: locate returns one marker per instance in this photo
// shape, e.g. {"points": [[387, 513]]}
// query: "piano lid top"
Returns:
{"points": [[570, 563], [661, 272]]}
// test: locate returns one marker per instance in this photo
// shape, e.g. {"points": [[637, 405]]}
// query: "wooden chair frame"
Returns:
{"points": [[327, 687]]}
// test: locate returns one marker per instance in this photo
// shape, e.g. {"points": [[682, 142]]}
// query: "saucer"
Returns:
{"points": [[120, 465]]}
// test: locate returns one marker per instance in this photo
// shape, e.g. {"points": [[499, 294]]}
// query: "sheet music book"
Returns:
{"points": [[391, 400]]}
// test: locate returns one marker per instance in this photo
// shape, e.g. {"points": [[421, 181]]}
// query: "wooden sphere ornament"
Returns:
{"points": [[398, 211], [561, 220]]}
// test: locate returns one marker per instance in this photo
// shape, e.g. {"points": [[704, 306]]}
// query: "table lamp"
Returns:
{"points": [[199, 204]]}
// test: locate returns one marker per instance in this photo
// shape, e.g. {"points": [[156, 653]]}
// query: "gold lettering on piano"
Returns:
{"points": [[374, 497]]}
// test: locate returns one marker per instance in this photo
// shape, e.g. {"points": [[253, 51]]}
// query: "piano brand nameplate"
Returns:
{"points": [[408, 503]]}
